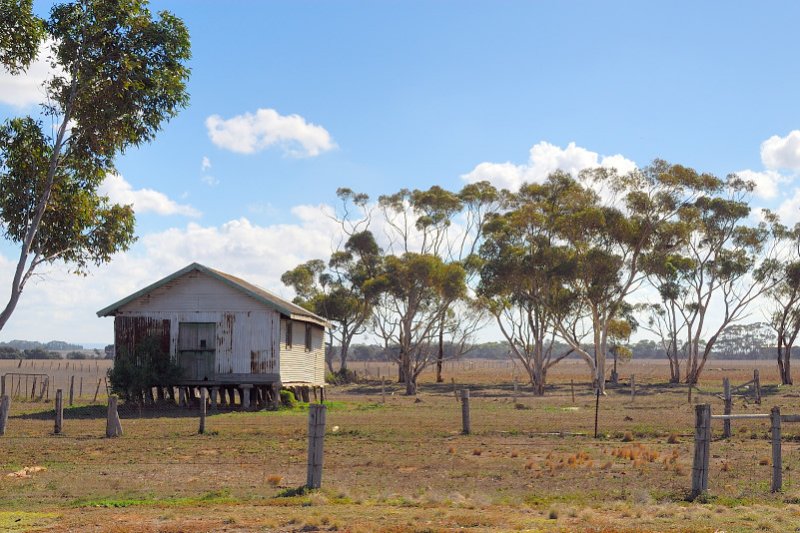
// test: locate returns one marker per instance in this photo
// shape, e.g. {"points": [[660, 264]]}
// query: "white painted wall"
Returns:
{"points": [[299, 365]]}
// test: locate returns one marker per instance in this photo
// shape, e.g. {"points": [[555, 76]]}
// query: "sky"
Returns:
{"points": [[291, 100]]}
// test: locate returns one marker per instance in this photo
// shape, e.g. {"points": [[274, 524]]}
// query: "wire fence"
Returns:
{"points": [[376, 442]]}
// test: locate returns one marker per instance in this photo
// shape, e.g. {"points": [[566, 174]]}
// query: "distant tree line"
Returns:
{"points": [[18, 349], [33, 345]]}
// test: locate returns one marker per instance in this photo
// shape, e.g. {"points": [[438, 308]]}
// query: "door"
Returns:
{"points": [[196, 350]]}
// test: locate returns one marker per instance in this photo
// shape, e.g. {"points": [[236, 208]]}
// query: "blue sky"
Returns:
{"points": [[388, 94]]}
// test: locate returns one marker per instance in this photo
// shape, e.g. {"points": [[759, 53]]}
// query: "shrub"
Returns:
{"points": [[341, 377], [287, 398], [148, 366]]}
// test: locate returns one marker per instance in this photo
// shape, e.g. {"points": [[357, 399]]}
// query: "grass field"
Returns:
{"points": [[530, 464]]}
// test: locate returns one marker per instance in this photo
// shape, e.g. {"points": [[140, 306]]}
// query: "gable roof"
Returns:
{"points": [[286, 308]]}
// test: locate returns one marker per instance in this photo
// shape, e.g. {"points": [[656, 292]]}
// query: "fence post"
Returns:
{"points": [[465, 422], [702, 445], [690, 393], [633, 388], [777, 468], [71, 388], [59, 412], [316, 436], [383, 390], [726, 423], [80, 389], [596, 410], [572, 389], [3, 385], [516, 391], [5, 407], [202, 428], [757, 384], [214, 395], [113, 425], [97, 390]]}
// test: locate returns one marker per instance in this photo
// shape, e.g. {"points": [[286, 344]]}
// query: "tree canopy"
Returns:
{"points": [[119, 74]]}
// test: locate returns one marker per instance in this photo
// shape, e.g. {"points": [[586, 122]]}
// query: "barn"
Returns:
{"points": [[228, 336]]}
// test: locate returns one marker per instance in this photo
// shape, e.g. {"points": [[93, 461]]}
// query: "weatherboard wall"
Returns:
{"points": [[300, 364]]}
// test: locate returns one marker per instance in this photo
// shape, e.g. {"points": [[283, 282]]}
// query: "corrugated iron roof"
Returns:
{"points": [[286, 308]]}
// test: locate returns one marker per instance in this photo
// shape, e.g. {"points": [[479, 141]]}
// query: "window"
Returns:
{"points": [[308, 337], [288, 333]]}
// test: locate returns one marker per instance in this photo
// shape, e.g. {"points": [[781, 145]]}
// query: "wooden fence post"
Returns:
{"points": [[316, 436], [3, 385], [777, 469], [516, 391], [596, 410], [97, 390], [113, 425], [702, 445], [726, 423], [757, 386], [5, 407], [71, 388], [572, 389], [202, 428], [383, 390], [690, 393], [465, 422], [633, 388], [80, 389], [59, 412]]}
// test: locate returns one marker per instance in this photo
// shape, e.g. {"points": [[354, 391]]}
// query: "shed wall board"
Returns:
{"points": [[299, 365], [194, 291]]}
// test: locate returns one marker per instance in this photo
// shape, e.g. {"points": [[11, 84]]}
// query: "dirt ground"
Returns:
{"points": [[530, 464]]}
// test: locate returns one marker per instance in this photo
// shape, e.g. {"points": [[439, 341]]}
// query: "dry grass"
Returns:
{"points": [[396, 467]]}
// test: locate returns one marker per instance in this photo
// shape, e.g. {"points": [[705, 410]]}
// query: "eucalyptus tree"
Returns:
{"points": [[417, 291], [521, 276], [665, 271], [443, 227], [119, 75], [783, 301], [21, 33], [344, 291], [732, 265]]}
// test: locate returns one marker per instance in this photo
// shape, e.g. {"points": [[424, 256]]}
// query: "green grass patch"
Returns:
{"points": [[24, 520], [213, 497]]}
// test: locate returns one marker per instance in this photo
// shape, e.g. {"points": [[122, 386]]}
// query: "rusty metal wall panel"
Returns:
{"points": [[130, 331], [245, 342]]}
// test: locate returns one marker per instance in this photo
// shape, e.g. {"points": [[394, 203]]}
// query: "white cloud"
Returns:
{"points": [[545, 158], [249, 133], [25, 89], [767, 182], [789, 210], [205, 164], [782, 152], [143, 200]]}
